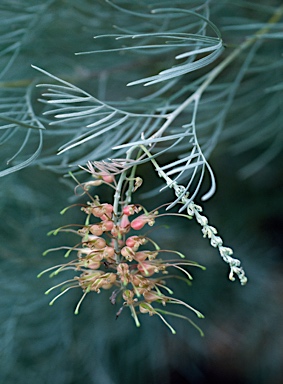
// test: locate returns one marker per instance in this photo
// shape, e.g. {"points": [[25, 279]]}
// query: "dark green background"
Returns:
{"points": [[243, 342]]}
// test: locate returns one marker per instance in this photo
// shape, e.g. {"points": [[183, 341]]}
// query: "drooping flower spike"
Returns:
{"points": [[116, 253]]}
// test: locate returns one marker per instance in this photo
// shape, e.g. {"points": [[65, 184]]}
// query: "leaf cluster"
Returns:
{"points": [[179, 114]]}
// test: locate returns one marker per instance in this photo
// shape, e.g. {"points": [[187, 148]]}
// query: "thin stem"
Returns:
{"points": [[165, 322], [160, 172], [131, 183], [181, 317], [80, 301], [119, 187], [180, 302], [135, 316], [181, 269], [58, 285], [62, 293]]}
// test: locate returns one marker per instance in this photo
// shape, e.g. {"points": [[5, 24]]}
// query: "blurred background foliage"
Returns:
{"points": [[243, 325]]}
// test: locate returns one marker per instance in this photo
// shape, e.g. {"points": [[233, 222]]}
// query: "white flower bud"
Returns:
{"points": [[202, 220], [225, 251], [216, 241]]}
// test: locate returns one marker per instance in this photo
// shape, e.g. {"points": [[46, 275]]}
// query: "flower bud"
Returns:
{"points": [[102, 209], [91, 264], [97, 211], [147, 269], [135, 241], [146, 308], [151, 296], [139, 222], [128, 253], [124, 223], [95, 242], [107, 225], [124, 273], [119, 230], [140, 256], [139, 280], [95, 183], [107, 177], [131, 209], [109, 280], [96, 230], [128, 296], [108, 252]]}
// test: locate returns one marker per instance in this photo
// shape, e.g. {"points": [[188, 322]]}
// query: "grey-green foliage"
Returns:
{"points": [[241, 111], [172, 51], [149, 120]]}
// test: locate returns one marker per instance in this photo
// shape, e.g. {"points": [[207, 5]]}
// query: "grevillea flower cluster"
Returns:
{"points": [[114, 254]]}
